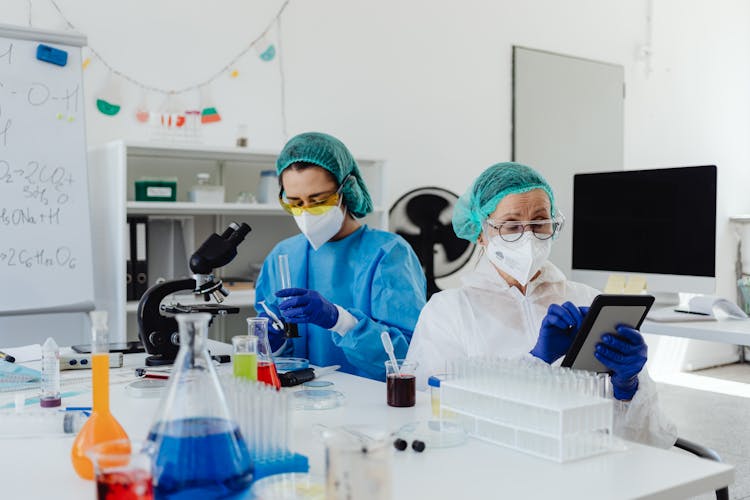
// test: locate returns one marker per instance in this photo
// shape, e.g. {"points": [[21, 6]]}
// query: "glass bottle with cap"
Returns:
{"points": [[268, 188], [199, 450]]}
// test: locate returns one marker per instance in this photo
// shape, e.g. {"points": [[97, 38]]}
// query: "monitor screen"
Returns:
{"points": [[660, 221]]}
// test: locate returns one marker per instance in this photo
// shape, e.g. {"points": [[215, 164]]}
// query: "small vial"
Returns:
{"points": [[50, 374], [434, 383], [242, 136]]}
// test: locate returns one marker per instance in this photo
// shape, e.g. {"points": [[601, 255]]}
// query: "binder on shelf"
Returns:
{"points": [[140, 264], [129, 240]]}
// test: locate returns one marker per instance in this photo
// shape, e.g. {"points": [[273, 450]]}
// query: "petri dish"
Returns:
{"points": [[317, 399], [434, 433], [290, 486], [288, 364], [318, 383], [147, 388]]}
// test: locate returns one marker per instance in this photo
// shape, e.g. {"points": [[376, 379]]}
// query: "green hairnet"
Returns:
{"points": [[330, 153], [492, 185]]}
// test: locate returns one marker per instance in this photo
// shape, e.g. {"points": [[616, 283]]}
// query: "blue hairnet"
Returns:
{"points": [[492, 185], [329, 153]]}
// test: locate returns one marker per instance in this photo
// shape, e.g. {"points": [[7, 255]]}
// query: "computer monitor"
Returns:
{"points": [[660, 224]]}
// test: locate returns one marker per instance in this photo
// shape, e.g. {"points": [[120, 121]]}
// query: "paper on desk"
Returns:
{"points": [[25, 353], [711, 305]]}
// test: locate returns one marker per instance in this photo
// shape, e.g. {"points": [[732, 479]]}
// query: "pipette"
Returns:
{"points": [[388, 345], [277, 323]]}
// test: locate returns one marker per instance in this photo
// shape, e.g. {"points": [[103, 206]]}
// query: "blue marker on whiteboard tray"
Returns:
{"points": [[51, 55]]}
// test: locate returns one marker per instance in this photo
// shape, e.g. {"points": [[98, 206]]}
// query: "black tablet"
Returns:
{"points": [[133, 346], [606, 312]]}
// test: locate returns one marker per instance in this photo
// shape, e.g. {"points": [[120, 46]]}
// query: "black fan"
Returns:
{"points": [[423, 218]]}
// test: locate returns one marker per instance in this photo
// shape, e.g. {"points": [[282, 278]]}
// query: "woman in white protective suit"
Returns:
{"points": [[516, 303]]}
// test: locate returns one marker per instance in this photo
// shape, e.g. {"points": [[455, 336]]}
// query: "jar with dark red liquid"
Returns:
{"points": [[123, 470], [401, 384]]}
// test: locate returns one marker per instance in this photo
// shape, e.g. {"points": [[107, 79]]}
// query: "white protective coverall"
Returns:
{"points": [[488, 317]]}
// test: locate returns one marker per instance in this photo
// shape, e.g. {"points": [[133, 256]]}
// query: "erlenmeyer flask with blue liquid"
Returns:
{"points": [[200, 452]]}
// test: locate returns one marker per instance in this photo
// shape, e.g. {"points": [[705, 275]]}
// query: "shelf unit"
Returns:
{"points": [[113, 168]]}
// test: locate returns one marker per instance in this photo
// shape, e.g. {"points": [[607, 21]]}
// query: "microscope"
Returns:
{"points": [[157, 327]]}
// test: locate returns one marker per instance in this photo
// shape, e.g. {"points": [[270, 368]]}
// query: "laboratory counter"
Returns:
{"points": [[41, 468]]}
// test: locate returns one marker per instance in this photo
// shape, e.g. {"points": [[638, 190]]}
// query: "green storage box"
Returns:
{"points": [[156, 190]]}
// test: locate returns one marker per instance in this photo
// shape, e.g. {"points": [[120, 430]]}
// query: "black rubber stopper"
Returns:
{"points": [[400, 444], [418, 445]]}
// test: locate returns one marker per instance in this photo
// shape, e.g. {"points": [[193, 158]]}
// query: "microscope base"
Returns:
{"points": [[159, 360]]}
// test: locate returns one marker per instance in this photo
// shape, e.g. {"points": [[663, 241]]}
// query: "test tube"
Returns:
{"points": [[285, 276], [285, 281], [50, 396]]}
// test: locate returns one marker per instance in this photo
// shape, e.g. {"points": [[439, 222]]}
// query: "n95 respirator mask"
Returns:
{"points": [[520, 259], [318, 229]]}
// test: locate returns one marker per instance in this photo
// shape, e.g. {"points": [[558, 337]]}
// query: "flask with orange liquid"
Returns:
{"points": [[101, 426], [266, 367]]}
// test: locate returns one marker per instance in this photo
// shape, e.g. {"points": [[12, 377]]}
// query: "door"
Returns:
{"points": [[567, 119]]}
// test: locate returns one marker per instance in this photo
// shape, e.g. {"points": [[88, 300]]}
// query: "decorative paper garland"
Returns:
{"points": [[266, 52]]}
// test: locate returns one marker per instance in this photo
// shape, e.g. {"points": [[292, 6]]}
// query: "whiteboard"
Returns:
{"points": [[45, 229]]}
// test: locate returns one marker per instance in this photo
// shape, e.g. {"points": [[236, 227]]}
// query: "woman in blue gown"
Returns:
{"points": [[350, 282]]}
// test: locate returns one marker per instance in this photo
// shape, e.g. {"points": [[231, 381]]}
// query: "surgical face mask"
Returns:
{"points": [[520, 259], [318, 229]]}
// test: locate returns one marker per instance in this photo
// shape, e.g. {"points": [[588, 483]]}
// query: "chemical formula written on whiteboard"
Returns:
{"points": [[39, 257], [37, 181]]}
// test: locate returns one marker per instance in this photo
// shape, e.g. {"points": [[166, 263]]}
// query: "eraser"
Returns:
{"points": [[51, 55]]}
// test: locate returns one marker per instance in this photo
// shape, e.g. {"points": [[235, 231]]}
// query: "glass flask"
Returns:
{"points": [[200, 452], [266, 367], [102, 425]]}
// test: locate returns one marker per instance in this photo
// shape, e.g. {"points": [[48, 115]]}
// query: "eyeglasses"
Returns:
{"points": [[315, 208], [513, 230]]}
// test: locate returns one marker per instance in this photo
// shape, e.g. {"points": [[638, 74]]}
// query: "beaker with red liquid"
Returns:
{"points": [[401, 383], [266, 367], [123, 470]]}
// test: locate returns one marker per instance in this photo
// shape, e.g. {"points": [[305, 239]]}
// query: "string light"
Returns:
{"points": [[226, 68], [282, 92]]}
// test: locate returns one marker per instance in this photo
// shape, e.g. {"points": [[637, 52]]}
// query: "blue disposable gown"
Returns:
{"points": [[375, 275]]}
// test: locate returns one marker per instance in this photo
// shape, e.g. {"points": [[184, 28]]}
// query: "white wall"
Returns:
{"points": [[427, 84]]}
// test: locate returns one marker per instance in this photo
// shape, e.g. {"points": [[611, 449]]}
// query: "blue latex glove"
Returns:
{"points": [[299, 305], [625, 354], [276, 337], [559, 327]]}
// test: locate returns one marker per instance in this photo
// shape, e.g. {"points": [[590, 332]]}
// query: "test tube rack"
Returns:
{"points": [[553, 413], [263, 416]]}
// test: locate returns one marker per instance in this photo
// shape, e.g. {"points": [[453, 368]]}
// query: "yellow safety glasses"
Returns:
{"points": [[315, 208]]}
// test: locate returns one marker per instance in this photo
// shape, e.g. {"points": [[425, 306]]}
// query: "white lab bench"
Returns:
{"points": [[727, 331], [36, 468]]}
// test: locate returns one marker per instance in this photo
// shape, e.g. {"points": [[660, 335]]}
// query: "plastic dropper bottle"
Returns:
{"points": [[101, 426], [50, 396]]}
